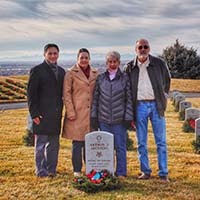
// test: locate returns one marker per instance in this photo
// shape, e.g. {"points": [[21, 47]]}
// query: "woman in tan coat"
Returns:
{"points": [[78, 89]]}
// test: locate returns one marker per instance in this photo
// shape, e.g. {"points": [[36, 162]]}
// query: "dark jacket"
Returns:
{"points": [[45, 98], [160, 79], [112, 101]]}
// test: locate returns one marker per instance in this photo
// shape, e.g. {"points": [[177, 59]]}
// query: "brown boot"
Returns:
{"points": [[164, 179], [144, 176]]}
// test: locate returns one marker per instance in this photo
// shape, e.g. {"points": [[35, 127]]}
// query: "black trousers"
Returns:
{"points": [[78, 155]]}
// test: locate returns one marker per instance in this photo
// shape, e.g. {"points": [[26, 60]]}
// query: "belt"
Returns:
{"points": [[146, 100]]}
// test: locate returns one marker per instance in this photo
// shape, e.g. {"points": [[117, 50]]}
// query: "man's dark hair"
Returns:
{"points": [[83, 50], [47, 46]]}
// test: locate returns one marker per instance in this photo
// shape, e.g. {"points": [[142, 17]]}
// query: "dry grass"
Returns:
{"points": [[185, 85], [22, 77], [18, 181]]}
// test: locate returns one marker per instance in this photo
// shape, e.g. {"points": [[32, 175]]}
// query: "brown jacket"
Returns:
{"points": [[77, 96]]}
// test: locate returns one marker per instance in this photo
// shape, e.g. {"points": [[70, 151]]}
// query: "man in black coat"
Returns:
{"points": [[150, 84], [45, 104]]}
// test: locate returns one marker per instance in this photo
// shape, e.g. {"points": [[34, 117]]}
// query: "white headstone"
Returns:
{"points": [[197, 128], [183, 105], [179, 98], [174, 93], [192, 113], [174, 97], [99, 149]]}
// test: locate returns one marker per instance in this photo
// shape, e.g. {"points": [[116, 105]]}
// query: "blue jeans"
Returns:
{"points": [[78, 154], [145, 111], [120, 135], [46, 154]]}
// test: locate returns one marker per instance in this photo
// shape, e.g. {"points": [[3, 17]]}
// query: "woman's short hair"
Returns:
{"points": [[113, 54], [47, 46], [83, 50]]}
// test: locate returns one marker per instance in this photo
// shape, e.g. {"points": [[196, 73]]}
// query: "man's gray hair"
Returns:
{"points": [[113, 54]]}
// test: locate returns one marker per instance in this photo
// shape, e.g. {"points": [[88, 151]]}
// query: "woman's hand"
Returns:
{"points": [[72, 118]]}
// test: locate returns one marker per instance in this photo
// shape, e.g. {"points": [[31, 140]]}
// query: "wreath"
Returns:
{"points": [[182, 115], [189, 125], [97, 181], [196, 145]]}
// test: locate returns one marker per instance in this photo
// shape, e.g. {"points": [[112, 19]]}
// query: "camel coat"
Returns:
{"points": [[77, 96]]}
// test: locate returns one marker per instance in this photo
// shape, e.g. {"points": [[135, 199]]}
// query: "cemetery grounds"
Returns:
{"points": [[18, 181]]}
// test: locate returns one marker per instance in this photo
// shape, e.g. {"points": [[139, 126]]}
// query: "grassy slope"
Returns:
{"points": [[17, 179]]}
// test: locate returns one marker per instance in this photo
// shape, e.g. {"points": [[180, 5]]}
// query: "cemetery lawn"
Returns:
{"points": [[18, 181], [185, 85]]}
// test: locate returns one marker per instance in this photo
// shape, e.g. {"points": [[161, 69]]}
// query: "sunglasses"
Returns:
{"points": [[143, 47]]}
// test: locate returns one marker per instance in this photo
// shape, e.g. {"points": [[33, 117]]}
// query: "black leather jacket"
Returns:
{"points": [[112, 101], [160, 79]]}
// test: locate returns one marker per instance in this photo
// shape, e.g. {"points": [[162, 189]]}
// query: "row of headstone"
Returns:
{"points": [[186, 111], [176, 98]]}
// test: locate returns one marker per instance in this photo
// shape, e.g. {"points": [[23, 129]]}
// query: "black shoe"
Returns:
{"points": [[164, 179]]}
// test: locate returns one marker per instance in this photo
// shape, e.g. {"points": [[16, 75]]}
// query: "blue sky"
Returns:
{"points": [[99, 25]]}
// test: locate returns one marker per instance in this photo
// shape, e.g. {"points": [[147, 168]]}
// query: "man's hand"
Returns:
{"points": [[37, 120]]}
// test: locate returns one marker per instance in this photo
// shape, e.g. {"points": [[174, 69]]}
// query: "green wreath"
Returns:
{"points": [[189, 125], [196, 145], [97, 181]]}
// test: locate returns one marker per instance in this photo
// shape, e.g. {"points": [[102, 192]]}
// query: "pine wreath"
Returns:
{"points": [[176, 107], [196, 145], [97, 181], [28, 138], [182, 115], [189, 125]]}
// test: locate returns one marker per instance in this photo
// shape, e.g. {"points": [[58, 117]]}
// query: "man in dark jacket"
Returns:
{"points": [[112, 107], [150, 83], [45, 104]]}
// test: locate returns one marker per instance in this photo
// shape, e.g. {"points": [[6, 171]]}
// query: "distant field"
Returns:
{"points": [[18, 181], [16, 91]]}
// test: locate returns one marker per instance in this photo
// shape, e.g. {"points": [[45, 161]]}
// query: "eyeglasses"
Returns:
{"points": [[143, 47]]}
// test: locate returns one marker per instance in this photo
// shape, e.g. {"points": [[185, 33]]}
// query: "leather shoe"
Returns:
{"points": [[144, 176], [164, 179]]}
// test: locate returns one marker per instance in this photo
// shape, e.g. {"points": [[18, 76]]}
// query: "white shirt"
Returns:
{"points": [[145, 90], [112, 74]]}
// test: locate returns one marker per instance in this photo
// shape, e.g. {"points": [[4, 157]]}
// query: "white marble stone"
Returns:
{"points": [[197, 127], [192, 113], [183, 105], [99, 149]]}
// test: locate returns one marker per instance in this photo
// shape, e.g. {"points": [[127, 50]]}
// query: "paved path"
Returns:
{"points": [[191, 95], [10, 106]]}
